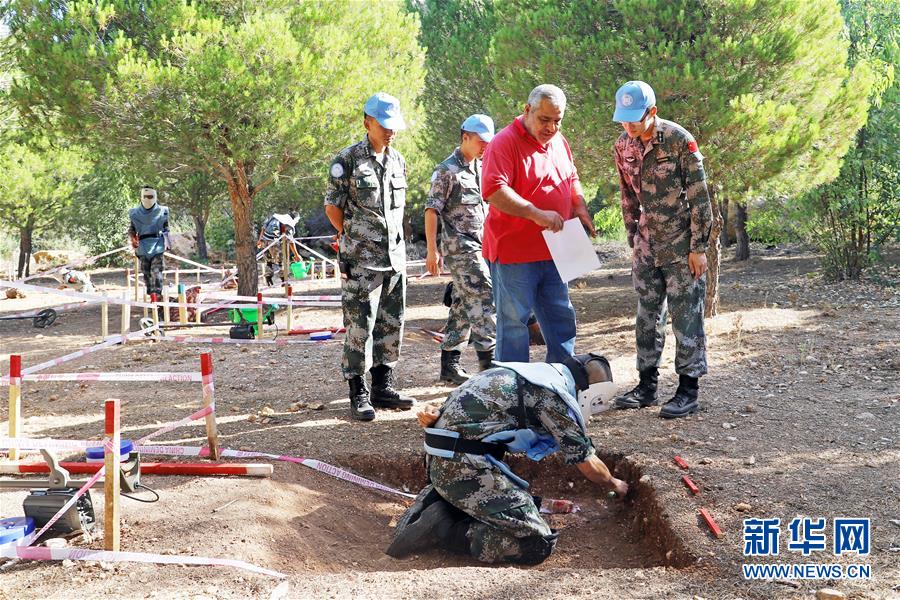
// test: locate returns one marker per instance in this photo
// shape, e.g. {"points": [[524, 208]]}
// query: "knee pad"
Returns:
{"points": [[535, 549]]}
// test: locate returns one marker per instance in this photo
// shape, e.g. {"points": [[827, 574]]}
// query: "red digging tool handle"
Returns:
{"points": [[711, 523], [691, 485], [680, 462]]}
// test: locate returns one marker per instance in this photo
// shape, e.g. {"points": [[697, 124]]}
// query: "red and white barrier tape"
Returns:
{"points": [[72, 294], [224, 340], [59, 308], [203, 307], [57, 444], [282, 299], [206, 410], [111, 341], [31, 553], [77, 263], [312, 463], [162, 377]]}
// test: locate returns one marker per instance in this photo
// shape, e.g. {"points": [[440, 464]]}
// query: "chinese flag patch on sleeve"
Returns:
{"points": [[692, 146]]}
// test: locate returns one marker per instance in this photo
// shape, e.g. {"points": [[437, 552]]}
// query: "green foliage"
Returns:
{"points": [[609, 223], [98, 215], [763, 85], [249, 91], [38, 180], [773, 223], [851, 218]]}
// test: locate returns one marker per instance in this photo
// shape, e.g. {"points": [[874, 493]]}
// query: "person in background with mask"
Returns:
{"points": [[149, 234]]}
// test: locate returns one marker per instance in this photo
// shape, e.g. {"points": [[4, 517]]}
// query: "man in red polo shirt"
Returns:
{"points": [[531, 183]]}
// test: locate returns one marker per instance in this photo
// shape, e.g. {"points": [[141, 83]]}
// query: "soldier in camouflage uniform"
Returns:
{"points": [[455, 199], [667, 212], [474, 503], [364, 202]]}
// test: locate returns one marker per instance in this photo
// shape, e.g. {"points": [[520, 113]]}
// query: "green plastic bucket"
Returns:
{"points": [[299, 270]]}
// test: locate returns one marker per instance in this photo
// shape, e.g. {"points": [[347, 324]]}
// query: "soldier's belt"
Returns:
{"points": [[446, 444], [149, 235]]}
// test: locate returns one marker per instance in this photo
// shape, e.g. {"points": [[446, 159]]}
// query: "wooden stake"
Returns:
{"points": [[290, 313], [285, 257], [259, 316], [182, 299], [137, 269], [198, 314], [155, 312], [15, 400], [206, 372], [165, 304], [104, 320], [111, 531], [126, 317]]}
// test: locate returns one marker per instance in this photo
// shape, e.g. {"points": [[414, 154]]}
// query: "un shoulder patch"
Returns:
{"points": [[434, 177], [337, 170]]}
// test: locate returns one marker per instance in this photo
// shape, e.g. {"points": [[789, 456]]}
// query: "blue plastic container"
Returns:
{"points": [[15, 528], [97, 455]]}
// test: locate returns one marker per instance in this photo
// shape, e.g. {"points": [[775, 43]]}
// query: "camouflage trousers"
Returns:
{"points": [[662, 289], [472, 316], [273, 263], [373, 303], [152, 268], [507, 521]]}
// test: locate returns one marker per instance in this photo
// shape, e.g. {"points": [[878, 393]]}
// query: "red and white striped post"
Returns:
{"points": [[112, 448], [289, 291], [259, 315], [206, 373], [15, 400]]}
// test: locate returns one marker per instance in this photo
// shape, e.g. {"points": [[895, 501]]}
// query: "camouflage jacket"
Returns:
{"points": [[665, 202], [488, 403], [372, 197], [456, 196]]}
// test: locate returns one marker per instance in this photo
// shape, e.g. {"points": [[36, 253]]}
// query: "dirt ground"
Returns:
{"points": [[800, 418]]}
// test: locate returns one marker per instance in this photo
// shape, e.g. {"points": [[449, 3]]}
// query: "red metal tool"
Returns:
{"points": [[680, 462]]}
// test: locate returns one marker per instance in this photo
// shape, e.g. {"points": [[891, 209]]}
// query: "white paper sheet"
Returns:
{"points": [[572, 250]]}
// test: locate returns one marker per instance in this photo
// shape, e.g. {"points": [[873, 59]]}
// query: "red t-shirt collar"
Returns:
{"points": [[523, 133]]}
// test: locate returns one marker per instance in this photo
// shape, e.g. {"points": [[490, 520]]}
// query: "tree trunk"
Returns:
{"points": [[742, 252], [25, 237], [724, 238], [244, 240], [200, 230], [711, 305]]}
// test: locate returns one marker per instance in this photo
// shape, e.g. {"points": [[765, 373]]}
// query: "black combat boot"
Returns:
{"points": [[438, 525], [360, 406], [451, 371], [270, 281], [485, 358], [644, 394], [383, 393], [684, 402]]}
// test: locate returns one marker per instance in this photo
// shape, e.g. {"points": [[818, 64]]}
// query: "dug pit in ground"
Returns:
{"points": [[603, 533]]}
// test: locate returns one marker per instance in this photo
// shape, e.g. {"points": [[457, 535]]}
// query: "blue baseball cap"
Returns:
{"points": [[483, 125], [386, 110], [632, 101]]}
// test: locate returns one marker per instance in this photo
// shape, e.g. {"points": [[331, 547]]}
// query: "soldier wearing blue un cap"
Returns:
{"points": [[364, 201], [455, 200], [668, 215]]}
